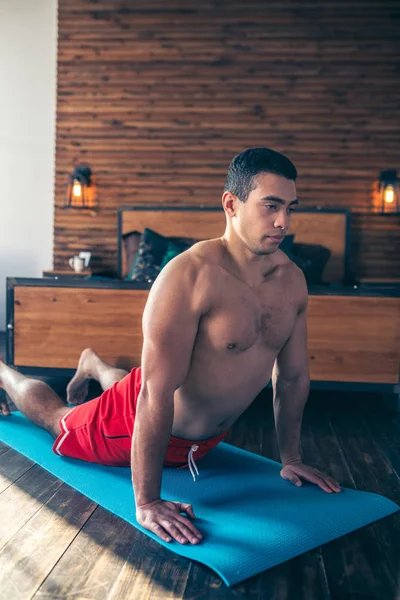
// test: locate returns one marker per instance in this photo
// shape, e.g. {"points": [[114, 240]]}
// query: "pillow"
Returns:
{"points": [[172, 251], [150, 255], [130, 242], [311, 258], [287, 243]]}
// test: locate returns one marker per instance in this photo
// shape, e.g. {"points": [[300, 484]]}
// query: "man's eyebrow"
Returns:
{"points": [[279, 200]]}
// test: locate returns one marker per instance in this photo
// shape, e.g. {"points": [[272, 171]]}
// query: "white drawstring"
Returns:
{"points": [[192, 464]]}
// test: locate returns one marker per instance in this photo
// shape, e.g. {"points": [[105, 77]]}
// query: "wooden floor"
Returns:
{"points": [[57, 544]]}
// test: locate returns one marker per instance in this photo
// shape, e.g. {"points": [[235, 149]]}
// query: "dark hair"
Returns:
{"points": [[245, 166]]}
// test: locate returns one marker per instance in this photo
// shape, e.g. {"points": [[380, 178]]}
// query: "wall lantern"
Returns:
{"points": [[80, 189], [389, 192]]}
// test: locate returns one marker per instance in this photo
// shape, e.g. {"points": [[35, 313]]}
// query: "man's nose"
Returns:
{"points": [[281, 220]]}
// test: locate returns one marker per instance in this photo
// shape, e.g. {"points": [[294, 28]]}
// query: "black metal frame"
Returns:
{"points": [[347, 277]]}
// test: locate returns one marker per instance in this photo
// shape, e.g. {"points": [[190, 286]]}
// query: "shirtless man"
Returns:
{"points": [[221, 320]]}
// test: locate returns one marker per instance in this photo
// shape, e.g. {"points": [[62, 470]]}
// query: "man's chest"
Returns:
{"points": [[240, 320]]}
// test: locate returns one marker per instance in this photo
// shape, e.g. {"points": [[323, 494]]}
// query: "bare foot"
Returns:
{"points": [[77, 388], [4, 409]]}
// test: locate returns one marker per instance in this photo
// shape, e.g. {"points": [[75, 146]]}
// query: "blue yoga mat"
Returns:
{"points": [[250, 517]]}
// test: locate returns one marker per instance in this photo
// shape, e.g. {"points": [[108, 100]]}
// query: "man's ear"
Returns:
{"points": [[230, 203]]}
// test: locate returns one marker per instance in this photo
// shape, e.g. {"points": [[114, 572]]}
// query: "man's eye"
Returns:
{"points": [[270, 206], [291, 210]]}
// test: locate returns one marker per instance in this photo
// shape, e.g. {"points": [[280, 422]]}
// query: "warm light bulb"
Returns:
{"points": [[77, 189], [389, 194]]}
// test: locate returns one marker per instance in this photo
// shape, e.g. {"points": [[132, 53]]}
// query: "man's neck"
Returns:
{"points": [[244, 264]]}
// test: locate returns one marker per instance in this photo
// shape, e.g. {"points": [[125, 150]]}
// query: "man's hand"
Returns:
{"points": [[296, 471], [164, 519]]}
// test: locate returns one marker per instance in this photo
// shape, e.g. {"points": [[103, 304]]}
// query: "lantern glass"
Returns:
{"points": [[389, 190], [79, 190]]}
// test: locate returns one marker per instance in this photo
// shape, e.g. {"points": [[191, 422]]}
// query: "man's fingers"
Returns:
{"points": [[313, 478], [329, 481], [159, 531], [177, 531], [189, 527], [178, 526], [335, 484], [188, 509], [295, 480], [324, 486], [335, 487], [164, 519], [189, 535], [318, 480], [174, 532], [321, 483], [189, 524], [290, 476], [326, 483]]}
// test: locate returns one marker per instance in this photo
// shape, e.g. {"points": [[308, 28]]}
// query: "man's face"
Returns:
{"points": [[263, 220]]}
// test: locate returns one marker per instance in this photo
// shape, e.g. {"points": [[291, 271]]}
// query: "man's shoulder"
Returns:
{"points": [[293, 277], [192, 271], [193, 262], [207, 253], [283, 260], [208, 249]]}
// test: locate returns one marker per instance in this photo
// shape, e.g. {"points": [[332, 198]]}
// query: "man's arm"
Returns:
{"points": [[170, 323], [291, 385]]}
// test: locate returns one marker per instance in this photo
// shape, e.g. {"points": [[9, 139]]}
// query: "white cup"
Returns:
{"points": [[77, 263]]}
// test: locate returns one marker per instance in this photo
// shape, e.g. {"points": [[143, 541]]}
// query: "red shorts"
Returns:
{"points": [[101, 430]]}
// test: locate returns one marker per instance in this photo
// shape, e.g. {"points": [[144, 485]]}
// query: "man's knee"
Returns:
{"points": [[54, 423]]}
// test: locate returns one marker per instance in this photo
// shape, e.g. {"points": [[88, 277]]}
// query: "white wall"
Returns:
{"points": [[28, 63]]}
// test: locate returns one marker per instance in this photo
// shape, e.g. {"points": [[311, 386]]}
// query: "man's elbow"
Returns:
{"points": [[298, 378], [156, 396], [294, 389]]}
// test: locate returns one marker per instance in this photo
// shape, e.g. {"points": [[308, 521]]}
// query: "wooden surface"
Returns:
{"points": [[53, 324], [57, 544], [67, 273], [325, 229], [375, 246], [354, 338], [350, 338], [158, 97]]}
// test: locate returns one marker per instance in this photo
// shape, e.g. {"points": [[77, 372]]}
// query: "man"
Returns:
{"points": [[220, 320]]}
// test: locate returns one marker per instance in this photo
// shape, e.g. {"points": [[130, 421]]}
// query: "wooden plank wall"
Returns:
{"points": [[157, 97]]}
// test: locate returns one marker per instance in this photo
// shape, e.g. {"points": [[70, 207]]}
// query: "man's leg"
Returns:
{"points": [[35, 399], [90, 366]]}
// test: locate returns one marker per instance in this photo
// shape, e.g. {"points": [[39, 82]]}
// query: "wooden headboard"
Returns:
{"points": [[326, 227]]}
